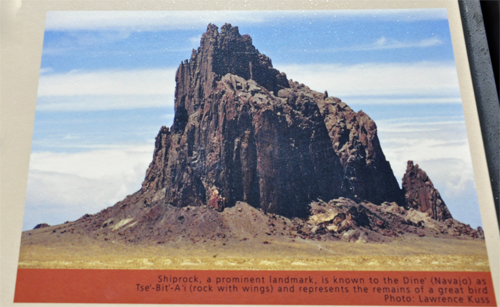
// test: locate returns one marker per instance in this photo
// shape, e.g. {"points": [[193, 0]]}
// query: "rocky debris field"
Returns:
{"points": [[337, 220]]}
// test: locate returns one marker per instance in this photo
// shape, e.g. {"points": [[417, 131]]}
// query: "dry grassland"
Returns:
{"points": [[414, 254]]}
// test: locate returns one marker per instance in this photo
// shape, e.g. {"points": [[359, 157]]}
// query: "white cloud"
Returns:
{"points": [[400, 15], [383, 44], [368, 83], [103, 103], [167, 20], [70, 137], [195, 41], [169, 116], [93, 164], [106, 90], [108, 82], [413, 139], [45, 70], [423, 82], [145, 20], [78, 144], [391, 100], [379, 79], [85, 38], [64, 186]]}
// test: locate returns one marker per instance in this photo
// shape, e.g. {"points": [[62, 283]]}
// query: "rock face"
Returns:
{"points": [[366, 174], [421, 195], [243, 132]]}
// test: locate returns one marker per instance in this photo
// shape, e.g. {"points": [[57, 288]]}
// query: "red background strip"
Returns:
{"points": [[124, 286]]}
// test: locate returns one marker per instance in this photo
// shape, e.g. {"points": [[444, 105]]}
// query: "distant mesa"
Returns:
{"points": [[248, 144]]}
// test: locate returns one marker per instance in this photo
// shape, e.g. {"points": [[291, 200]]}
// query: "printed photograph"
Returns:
{"points": [[251, 140]]}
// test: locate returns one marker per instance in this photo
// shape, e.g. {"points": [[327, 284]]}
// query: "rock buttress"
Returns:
{"points": [[366, 174]]}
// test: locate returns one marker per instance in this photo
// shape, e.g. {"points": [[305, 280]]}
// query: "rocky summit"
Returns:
{"points": [[243, 132], [248, 143]]}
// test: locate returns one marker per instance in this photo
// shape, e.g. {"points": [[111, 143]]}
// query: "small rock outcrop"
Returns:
{"points": [[41, 225], [421, 195]]}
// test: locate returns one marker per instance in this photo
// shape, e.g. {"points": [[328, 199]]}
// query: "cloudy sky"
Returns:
{"points": [[107, 84]]}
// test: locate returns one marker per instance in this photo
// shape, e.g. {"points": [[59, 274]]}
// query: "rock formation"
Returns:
{"points": [[421, 195], [251, 153], [41, 225], [243, 132]]}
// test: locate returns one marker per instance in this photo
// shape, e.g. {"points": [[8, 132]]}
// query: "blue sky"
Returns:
{"points": [[107, 85]]}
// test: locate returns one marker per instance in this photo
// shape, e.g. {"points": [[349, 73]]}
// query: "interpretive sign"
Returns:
{"points": [[325, 156]]}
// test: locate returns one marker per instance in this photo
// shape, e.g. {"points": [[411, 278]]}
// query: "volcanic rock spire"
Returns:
{"points": [[421, 195], [243, 132]]}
